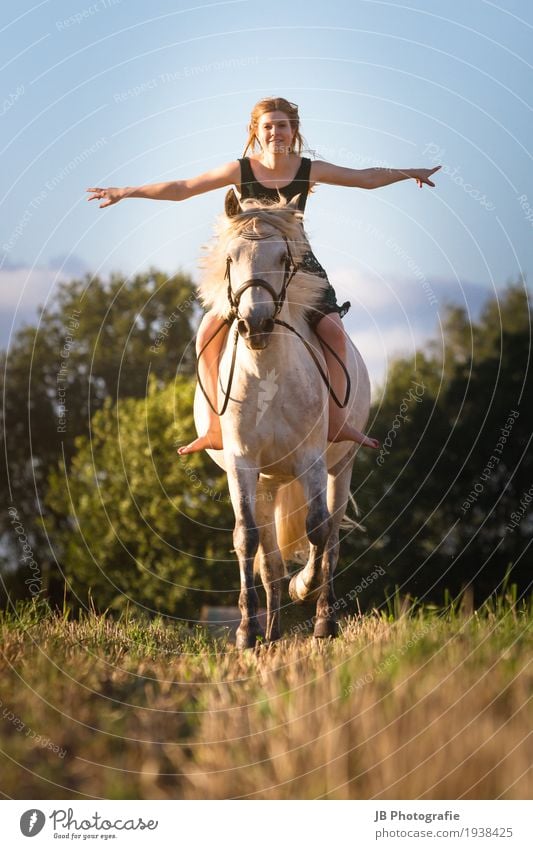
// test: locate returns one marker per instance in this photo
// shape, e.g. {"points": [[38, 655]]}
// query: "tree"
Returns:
{"points": [[455, 464], [97, 340], [145, 526]]}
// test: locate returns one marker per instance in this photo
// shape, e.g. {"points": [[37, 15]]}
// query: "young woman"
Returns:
{"points": [[276, 169]]}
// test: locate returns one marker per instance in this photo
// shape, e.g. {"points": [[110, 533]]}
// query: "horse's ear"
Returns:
{"points": [[294, 203], [231, 205]]}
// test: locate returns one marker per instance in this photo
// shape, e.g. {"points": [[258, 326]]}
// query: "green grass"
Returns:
{"points": [[412, 702]]}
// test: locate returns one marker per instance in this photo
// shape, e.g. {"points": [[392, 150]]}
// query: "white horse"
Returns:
{"points": [[289, 487]]}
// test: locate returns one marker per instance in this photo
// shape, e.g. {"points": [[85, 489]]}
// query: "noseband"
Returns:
{"points": [[234, 298]]}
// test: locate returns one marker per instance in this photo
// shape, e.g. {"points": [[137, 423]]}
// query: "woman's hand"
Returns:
{"points": [[422, 176], [108, 196]]}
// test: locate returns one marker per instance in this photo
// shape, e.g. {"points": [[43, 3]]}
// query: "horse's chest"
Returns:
{"points": [[276, 435], [278, 407]]}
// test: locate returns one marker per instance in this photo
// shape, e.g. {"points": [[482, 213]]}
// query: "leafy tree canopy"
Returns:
{"points": [[145, 526], [97, 340], [455, 464]]}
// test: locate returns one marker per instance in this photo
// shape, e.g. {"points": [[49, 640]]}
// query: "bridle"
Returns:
{"points": [[234, 298], [290, 270]]}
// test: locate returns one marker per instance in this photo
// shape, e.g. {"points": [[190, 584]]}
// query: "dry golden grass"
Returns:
{"points": [[428, 705]]}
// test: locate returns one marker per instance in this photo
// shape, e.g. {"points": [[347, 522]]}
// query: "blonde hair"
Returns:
{"points": [[275, 104]]}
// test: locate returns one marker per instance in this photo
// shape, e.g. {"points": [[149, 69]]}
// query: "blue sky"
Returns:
{"points": [[120, 92]]}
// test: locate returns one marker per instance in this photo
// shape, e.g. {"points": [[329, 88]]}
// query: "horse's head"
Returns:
{"points": [[259, 266]]}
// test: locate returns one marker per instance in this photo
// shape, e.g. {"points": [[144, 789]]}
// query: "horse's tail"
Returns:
{"points": [[349, 524], [290, 511]]}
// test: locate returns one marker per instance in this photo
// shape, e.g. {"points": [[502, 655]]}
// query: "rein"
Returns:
{"points": [[234, 300]]}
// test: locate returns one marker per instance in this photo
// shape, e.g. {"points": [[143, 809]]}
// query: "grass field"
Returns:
{"points": [[421, 703]]}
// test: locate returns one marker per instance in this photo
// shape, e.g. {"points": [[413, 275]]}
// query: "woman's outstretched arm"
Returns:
{"points": [[225, 175], [368, 178]]}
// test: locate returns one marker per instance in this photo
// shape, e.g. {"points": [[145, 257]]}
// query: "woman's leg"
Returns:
{"points": [[331, 330], [208, 368]]}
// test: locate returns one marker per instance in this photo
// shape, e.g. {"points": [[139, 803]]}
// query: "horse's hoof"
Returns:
{"points": [[325, 628], [247, 638], [300, 592]]}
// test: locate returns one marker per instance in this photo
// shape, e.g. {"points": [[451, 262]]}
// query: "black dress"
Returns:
{"points": [[252, 188]]}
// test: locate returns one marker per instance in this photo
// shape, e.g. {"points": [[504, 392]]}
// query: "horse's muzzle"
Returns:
{"points": [[256, 334]]}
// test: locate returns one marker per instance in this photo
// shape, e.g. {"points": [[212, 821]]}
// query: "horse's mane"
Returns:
{"points": [[305, 289]]}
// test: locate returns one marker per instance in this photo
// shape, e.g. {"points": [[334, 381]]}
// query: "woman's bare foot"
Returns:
{"points": [[211, 439], [351, 434]]}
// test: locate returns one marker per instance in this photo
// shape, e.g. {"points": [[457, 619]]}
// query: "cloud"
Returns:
{"points": [[390, 316], [24, 290], [69, 264], [421, 295], [395, 316]]}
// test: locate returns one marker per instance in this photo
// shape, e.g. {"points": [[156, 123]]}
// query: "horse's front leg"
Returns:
{"points": [[270, 559], [306, 585], [242, 480], [339, 480]]}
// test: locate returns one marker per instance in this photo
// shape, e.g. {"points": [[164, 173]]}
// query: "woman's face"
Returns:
{"points": [[274, 132]]}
